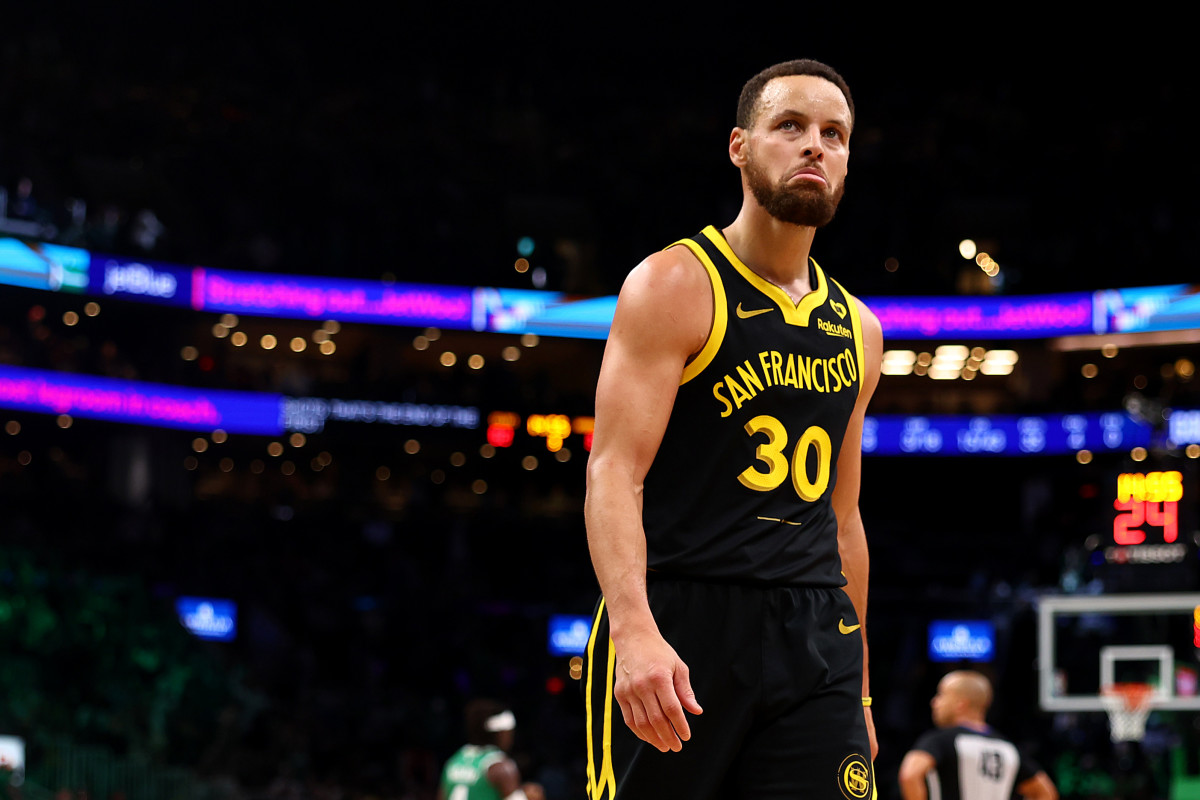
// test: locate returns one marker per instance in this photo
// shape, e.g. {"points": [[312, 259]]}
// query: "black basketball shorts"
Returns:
{"points": [[778, 672]]}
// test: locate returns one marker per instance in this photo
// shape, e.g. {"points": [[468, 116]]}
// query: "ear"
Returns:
{"points": [[737, 147]]}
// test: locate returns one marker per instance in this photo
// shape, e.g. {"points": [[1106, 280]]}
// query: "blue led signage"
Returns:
{"points": [[36, 265], [52, 267], [998, 435], [569, 634], [1183, 426], [983, 317], [296, 297], [208, 617], [961, 640], [116, 400]]}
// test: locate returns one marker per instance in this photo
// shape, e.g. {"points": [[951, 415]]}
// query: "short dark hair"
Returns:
{"points": [[747, 109], [477, 713]]}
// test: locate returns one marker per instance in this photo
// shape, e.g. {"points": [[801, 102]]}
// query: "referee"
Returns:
{"points": [[964, 759]]}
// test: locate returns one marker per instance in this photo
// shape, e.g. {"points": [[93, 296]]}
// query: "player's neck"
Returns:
{"points": [[778, 251]]}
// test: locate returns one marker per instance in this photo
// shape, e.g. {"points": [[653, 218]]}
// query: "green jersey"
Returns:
{"points": [[465, 774]]}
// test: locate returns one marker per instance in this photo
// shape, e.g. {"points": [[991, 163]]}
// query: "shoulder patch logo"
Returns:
{"points": [[854, 777], [838, 307]]}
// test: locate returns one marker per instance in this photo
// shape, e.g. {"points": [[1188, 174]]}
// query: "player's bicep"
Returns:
{"points": [[634, 395], [658, 325]]}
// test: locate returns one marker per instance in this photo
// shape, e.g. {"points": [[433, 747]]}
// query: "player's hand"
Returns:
{"points": [[871, 732], [653, 688], [533, 791]]}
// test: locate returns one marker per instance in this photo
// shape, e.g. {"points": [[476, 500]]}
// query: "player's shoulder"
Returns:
{"points": [[669, 282], [669, 273], [665, 301], [870, 321], [868, 317]]}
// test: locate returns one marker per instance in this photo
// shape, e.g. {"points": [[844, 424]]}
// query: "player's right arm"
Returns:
{"points": [[663, 316], [505, 778], [913, 769]]}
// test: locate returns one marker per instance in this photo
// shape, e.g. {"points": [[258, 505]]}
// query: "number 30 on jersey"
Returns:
{"points": [[809, 487]]}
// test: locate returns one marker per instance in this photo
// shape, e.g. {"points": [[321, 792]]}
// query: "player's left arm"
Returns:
{"points": [[852, 539]]}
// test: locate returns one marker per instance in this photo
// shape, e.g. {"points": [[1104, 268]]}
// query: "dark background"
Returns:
{"points": [[420, 146]]}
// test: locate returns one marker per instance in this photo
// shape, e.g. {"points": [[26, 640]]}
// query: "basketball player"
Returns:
{"points": [[728, 654], [964, 759], [482, 769]]}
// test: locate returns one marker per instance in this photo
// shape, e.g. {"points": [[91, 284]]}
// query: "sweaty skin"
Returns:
{"points": [[799, 140]]}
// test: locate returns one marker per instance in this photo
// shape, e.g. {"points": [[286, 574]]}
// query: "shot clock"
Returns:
{"points": [[1147, 506], [1153, 528]]}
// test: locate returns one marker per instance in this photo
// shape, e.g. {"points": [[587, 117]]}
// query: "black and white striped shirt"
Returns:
{"points": [[974, 765]]}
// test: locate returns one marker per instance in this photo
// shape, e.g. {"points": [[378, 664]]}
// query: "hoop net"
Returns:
{"points": [[1128, 707]]}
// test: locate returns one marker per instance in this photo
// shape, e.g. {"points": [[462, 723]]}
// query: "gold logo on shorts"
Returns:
{"points": [[854, 777]]}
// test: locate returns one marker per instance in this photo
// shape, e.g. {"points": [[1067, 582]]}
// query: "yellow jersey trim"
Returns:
{"points": [[606, 777], [856, 327], [793, 313], [716, 333]]}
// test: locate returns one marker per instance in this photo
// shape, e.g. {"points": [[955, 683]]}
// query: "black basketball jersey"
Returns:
{"points": [[973, 765], [741, 487]]}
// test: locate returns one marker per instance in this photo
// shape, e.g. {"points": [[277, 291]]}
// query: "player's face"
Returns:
{"points": [[798, 149]]}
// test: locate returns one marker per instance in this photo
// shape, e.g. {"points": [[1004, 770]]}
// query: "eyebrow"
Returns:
{"points": [[791, 112]]}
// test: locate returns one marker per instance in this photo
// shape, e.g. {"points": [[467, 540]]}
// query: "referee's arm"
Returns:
{"points": [[1039, 787], [913, 769]]}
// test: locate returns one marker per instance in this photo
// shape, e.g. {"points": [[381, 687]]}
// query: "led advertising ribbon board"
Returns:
{"points": [[50, 267]]}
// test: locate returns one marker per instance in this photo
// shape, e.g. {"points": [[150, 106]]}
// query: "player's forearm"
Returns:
{"points": [[856, 565], [617, 543]]}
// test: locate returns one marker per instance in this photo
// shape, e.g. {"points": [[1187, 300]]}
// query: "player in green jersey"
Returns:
{"points": [[482, 768]]}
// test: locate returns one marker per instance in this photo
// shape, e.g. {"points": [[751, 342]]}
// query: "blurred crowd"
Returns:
{"points": [[371, 609]]}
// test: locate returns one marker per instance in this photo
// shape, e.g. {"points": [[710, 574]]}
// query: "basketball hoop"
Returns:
{"points": [[1128, 707]]}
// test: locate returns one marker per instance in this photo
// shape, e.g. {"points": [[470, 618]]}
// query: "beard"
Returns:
{"points": [[806, 203]]}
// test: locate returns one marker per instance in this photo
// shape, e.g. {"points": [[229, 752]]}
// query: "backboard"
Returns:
{"points": [[1087, 642]]}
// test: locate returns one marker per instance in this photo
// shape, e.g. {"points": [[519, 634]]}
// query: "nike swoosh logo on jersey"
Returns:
{"points": [[844, 628], [748, 314]]}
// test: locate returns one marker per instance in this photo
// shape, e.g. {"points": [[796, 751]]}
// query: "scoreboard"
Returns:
{"points": [[1149, 538], [1147, 505]]}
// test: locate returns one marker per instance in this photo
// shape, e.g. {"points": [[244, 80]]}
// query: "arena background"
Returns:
{"points": [[377, 588]]}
